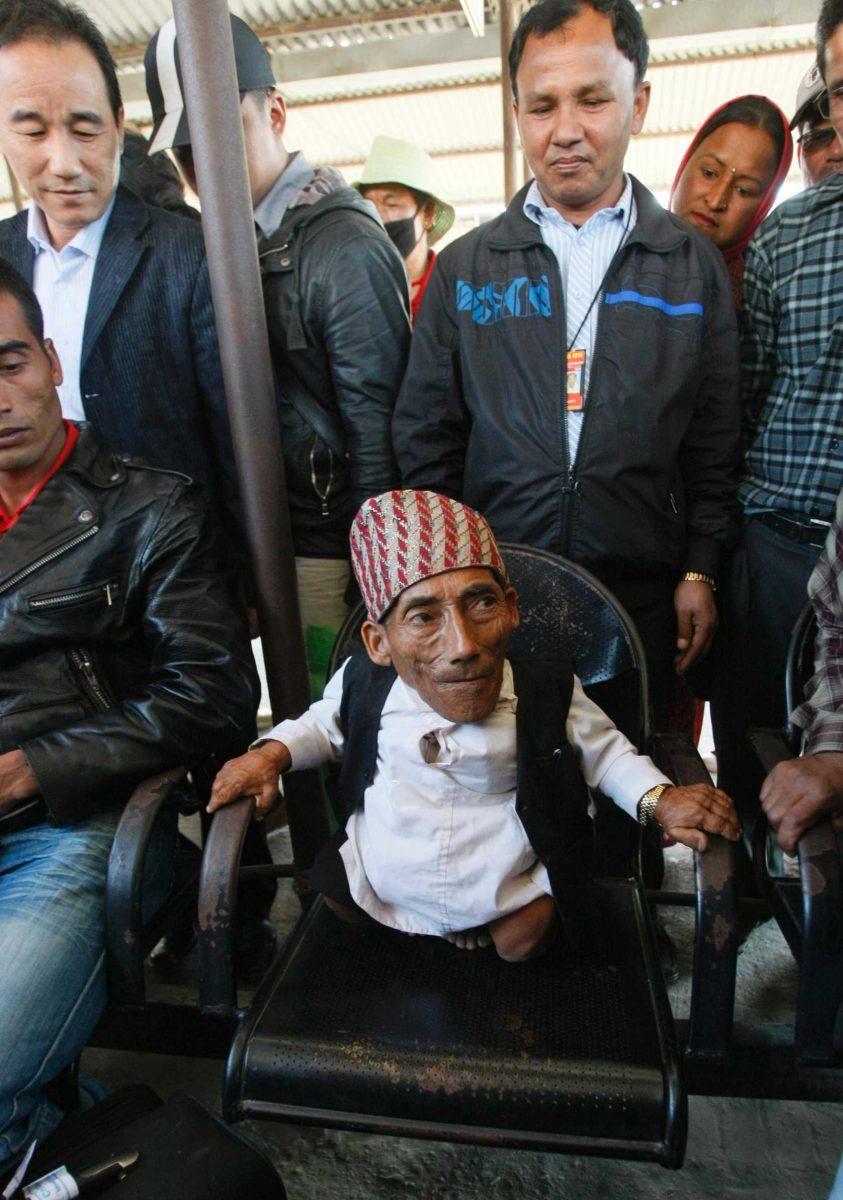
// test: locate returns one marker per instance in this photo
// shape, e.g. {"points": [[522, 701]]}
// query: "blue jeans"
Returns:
{"points": [[52, 959]]}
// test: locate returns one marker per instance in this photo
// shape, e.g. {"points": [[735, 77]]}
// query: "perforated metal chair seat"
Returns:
{"points": [[360, 1027]]}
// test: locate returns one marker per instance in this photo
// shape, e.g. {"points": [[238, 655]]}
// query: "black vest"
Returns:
{"points": [[551, 795]]}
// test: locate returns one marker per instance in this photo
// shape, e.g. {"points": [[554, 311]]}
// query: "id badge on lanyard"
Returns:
{"points": [[575, 380]]}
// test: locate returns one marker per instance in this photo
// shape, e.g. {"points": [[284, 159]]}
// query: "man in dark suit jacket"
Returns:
{"points": [[124, 286]]}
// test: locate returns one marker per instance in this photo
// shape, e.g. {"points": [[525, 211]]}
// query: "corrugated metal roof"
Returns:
{"points": [[285, 24], [454, 109]]}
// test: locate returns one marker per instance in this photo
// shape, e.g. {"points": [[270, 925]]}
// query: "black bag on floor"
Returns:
{"points": [[185, 1152]]}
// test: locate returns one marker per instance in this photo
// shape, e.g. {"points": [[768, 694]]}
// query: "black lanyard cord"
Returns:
{"points": [[596, 295]]}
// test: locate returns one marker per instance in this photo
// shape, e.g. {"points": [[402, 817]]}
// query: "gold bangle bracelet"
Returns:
{"points": [[698, 577]]}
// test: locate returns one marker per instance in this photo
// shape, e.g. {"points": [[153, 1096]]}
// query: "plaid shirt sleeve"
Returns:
{"points": [[821, 714], [759, 321]]}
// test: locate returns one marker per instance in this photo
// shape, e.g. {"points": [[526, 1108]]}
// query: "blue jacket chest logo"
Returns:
{"points": [[496, 301]]}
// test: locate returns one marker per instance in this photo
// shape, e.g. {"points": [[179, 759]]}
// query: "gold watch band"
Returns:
{"points": [[647, 803], [699, 577]]}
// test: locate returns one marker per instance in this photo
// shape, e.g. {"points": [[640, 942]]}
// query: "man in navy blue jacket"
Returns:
{"points": [[124, 287]]}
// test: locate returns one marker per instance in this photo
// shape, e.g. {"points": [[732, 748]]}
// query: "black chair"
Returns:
{"points": [[364, 1028], [809, 907], [130, 1020]]}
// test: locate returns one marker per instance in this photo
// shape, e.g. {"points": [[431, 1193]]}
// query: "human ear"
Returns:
{"points": [[376, 640], [55, 365], [277, 113], [639, 106]]}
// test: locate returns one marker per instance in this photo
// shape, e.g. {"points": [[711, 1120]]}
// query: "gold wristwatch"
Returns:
{"points": [[647, 804], [699, 577]]}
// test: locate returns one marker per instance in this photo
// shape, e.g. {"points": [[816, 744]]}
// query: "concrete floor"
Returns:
{"points": [[747, 1149]]}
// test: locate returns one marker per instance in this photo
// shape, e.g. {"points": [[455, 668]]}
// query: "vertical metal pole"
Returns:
{"points": [[510, 135], [213, 103]]}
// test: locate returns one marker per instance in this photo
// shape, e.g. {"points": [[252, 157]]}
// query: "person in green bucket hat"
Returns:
{"points": [[398, 179]]}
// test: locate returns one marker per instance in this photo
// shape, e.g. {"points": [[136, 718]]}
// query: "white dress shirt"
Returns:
{"points": [[62, 282], [438, 845], [584, 255]]}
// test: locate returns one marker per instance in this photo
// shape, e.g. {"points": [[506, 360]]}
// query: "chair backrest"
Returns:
{"points": [[565, 613], [800, 664]]}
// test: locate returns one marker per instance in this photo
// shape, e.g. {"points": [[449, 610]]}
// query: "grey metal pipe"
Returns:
{"points": [[511, 161], [213, 103]]}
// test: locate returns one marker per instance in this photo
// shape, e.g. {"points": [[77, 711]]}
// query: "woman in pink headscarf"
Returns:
{"points": [[731, 174]]}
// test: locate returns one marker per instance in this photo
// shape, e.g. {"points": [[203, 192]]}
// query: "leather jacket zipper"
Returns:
{"points": [[74, 596], [322, 496], [48, 558], [92, 685]]}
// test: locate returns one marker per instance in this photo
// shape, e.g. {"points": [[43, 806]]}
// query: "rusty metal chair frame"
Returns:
{"points": [[807, 908]]}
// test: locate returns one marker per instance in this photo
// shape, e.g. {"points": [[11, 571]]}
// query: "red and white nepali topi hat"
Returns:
{"points": [[403, 536]]}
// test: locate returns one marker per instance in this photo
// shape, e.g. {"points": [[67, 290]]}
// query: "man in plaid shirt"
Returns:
{"points": [[801, 790], [792, 379]]}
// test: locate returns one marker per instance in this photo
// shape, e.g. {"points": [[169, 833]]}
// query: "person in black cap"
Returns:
{"points": [[819, 148], [337, 308]]}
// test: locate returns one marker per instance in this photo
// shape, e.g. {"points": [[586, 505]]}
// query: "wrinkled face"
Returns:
{"points": [[819, 150], [577, 108], [724, 182], [59, 133], [31, 430], [446, 637]]}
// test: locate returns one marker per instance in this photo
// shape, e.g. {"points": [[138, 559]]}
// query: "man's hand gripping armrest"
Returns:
{"points": [[689, 814], [799, 791], [252, 774]]}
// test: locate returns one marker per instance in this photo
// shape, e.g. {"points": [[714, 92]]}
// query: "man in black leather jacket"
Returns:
{"points": [[121, 655], [337, 306]]}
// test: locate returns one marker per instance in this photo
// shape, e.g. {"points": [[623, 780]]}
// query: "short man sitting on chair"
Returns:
{"points": [[463, 772]]}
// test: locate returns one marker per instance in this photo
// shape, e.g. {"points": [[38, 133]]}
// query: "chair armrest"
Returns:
{"points": [[716, 938], [818, 944], [123, 918], [821, 957], [771, 747], [218, 907]]}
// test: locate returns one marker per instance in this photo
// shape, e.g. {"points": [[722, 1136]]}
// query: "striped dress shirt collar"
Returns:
{"points": [[540, 213], [87, 241]]}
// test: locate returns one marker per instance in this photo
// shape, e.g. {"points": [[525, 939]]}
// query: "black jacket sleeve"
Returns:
{"points": [[201, 694], [710, 449], [366, 333], [431, 425]]}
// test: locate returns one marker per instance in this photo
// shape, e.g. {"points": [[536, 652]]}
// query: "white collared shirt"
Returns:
{"points": [[584, 255], [62, 282], [438, 845]]}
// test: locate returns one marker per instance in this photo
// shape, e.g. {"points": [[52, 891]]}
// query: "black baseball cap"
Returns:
{"points": [[164, 84]]}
